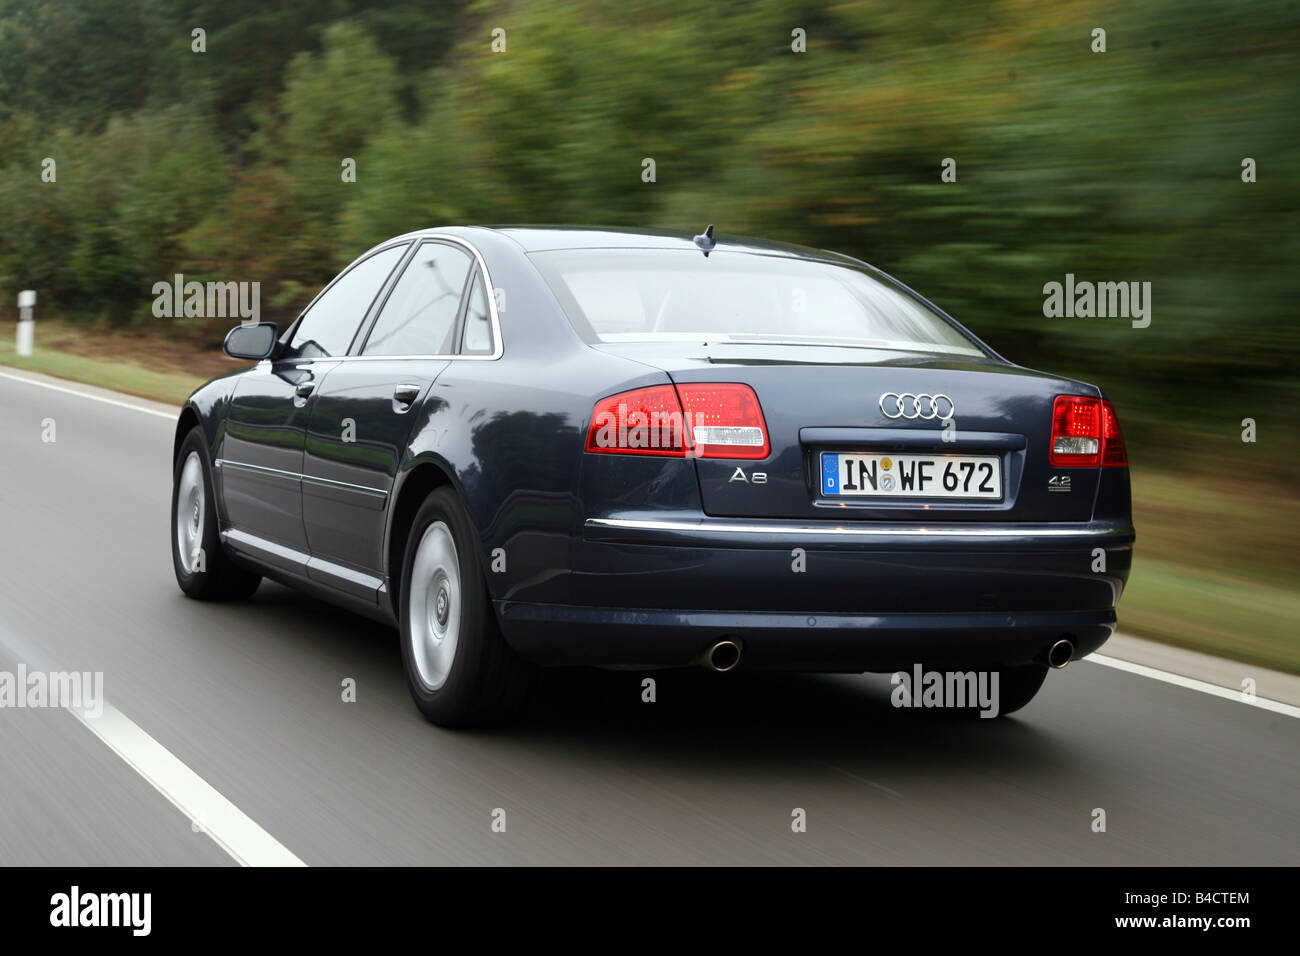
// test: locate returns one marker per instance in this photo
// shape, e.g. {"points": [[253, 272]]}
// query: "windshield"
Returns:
{"points": [[648, 295]]}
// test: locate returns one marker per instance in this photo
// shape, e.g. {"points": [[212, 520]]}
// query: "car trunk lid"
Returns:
{"points": [[862, 415]]}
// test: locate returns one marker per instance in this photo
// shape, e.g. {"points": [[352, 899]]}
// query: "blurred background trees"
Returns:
{"points": [[1115, 166]]}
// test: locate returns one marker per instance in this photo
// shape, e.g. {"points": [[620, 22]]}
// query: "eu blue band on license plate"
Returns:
{"points": [[830, 474]]}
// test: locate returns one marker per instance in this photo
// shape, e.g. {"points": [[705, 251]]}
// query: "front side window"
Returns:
{"points": [[648, 295], [419, 317], [333, 319]]}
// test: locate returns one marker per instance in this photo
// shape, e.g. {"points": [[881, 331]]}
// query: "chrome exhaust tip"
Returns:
{"points": [[1060, 653], [723, 656]]}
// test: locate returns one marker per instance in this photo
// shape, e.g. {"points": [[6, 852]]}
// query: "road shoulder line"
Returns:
{"points": [[92, 392], [1191, 683]]}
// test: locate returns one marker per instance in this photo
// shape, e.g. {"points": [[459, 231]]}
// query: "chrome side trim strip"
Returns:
{"points": [[260, 469], [882, 531], [355, 583], [345, 485], [310, 479], [403, 358], [277, 555], [346, 579]]}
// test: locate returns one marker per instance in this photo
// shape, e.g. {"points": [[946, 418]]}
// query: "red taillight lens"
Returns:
{"points": [[1076, 432], [1112, 439], [1085, 433], [645, 421], [720, 420], [726, 420]]}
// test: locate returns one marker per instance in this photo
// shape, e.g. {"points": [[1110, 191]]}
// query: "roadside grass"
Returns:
{"points": [[138, 360], [170, 387], [1215, 564], [1232, 617]]}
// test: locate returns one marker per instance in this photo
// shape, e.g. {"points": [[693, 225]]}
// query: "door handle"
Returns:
{"points": [[304, 389], [404, 396]]}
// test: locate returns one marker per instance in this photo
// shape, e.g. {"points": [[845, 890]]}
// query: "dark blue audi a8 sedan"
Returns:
{"points": [[563, 446]]}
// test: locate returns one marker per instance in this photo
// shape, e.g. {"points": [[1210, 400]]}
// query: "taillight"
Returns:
{"points": [[722, 420], [644, 421], [1085, 433], [726, 420], [1113, 451]]}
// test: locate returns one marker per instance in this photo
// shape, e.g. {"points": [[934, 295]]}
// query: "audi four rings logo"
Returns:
{"points": [[911, 407]]}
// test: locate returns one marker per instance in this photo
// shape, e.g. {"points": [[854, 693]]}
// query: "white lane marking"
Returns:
{"points": [[1192, 683], [224, 823], [171, 417], [228, 826]]}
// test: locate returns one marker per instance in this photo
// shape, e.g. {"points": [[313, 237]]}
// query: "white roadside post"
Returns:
{"points": [[26, 325]]}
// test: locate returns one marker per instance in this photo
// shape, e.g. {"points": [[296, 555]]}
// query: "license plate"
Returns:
{"points": [[846, 474]]}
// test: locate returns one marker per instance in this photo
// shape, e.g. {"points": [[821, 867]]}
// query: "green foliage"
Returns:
{"points": [[94, 240]]}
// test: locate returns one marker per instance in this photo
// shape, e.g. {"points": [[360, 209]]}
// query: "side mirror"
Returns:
{"points": [[251, 341]]}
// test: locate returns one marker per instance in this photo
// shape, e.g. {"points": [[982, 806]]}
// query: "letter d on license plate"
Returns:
{"points": [[850, 474]]}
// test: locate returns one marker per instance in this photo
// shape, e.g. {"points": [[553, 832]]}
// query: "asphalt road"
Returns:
{"points": [[248, 697]]}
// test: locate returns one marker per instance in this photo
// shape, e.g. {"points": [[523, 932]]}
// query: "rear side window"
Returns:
{"points": [[419, 317], [332, 320], [478, 321], [647, 295]]}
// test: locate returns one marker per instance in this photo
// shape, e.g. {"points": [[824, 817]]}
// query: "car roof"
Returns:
{"points": [[553, 238]]}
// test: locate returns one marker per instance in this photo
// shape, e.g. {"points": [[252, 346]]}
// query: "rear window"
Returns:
{"points": [[648, 295]]}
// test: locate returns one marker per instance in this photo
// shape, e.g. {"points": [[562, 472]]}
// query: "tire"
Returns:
{"points": [[459, 668], [194, 534]]}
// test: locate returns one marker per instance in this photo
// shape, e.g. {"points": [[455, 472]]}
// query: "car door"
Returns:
{"points": [[366, 409], [261, 455]]}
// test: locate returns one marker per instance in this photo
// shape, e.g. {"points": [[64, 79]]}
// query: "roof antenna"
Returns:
{"points": [[705, 241]]}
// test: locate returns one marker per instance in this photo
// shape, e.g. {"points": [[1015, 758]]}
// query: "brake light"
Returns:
{"points": [[726, 420], [716, 420], [1112, 439], [644, 421], [1085, 433]]}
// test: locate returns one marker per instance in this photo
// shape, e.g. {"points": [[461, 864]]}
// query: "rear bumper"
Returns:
{"points": [[559, 635], [650, 590]]}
